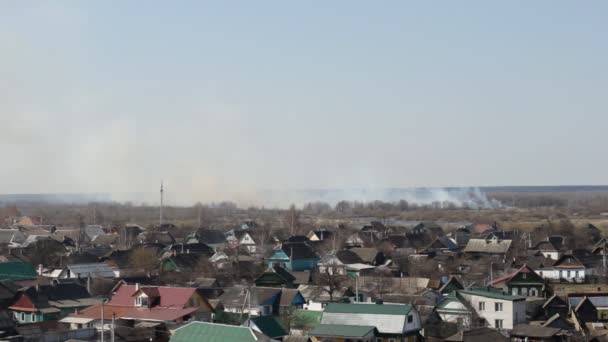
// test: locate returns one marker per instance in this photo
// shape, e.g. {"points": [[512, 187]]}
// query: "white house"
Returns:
{"points": [[393, 321], [547, 249], [499, 310], [566, 268], [243, 238]]}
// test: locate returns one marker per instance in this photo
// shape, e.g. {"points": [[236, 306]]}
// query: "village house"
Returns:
{"points": [[483, 307], [488, 246], [524, 282], [499, 310], [43, 303], [202, 331], [319, 235], [145, 303], [294, 257], [383, 322], [567, 268], [546, 249], [242, 238], [260, 301]]}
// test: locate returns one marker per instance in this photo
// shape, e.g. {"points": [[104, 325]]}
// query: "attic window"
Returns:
{"points": [[141, 301]]}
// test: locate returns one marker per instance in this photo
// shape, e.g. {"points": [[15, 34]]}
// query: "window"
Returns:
{"points": [[523, 276], [568, 274], [497, 307], [533, 292], [410, 318], [514, 291], [33, 317], [498, 323], [138, 301], [482, 306], [22, 317], [576, 274]]}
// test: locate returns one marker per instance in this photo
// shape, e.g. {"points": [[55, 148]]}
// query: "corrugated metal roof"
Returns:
{"points": [[380, 309], [212, 332], [493, 246], [340, 330]]}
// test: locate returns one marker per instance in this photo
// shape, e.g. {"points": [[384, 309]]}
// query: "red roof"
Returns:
{"points": [[507, 277], [169, 296], [157, 314], [124, 312]]}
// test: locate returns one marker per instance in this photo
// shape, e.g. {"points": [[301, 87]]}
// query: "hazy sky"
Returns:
{"points": [[223, 98]]}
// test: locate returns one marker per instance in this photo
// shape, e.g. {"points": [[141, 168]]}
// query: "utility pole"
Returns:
{"points": [[102, 327], [113, 320], [161, 203]]}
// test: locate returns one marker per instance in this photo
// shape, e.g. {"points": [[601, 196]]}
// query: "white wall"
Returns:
{"points": [[573, 275], [511, 314]]}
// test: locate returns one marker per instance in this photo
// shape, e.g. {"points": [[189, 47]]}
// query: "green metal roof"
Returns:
{"points": [[491, 294], [270, 326], [211, 332], [17, 270], [348, 331], [378, 309]]}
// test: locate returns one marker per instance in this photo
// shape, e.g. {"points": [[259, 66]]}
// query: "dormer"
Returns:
{"points": [[146, 296]]}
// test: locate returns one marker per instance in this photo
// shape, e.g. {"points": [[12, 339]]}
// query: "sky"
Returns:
{"points": [[223, 99]]}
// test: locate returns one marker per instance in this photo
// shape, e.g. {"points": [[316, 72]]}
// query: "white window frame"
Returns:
{"points": [[22, 317], [497, 306], [33, 317], [498, 323], [482, 306]]}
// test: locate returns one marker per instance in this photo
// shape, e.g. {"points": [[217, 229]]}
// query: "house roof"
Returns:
{"points": [[158, 313], [568, 261], [93, 270], [234, 296], [298, 251], [270, 326], [535, 331], [491, 294], [346, 256], [483, 334], [347, 331], [301, 277], [525, 269], [545, 246], [213, 332], [211, 236], [556, 300], [42, 296], [599, 300], [169, 296], [17, 270], [367, 255], [387, 318], [374, 309], [493, 246]]}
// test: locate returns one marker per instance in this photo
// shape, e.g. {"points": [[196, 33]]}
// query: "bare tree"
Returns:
{"points": [[143, 259], [331, 278]]}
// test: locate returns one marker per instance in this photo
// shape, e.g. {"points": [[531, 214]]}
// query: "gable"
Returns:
{"points": [[452, 303], [529, 277]]}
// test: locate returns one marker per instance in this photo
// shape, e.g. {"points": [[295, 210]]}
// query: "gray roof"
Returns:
{"points": [[387, 318], [93, 270], [492, 246], [536, 331]]}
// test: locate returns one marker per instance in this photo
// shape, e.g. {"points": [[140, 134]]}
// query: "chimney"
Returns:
{"points": [[89, 285], [136, 286]]}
